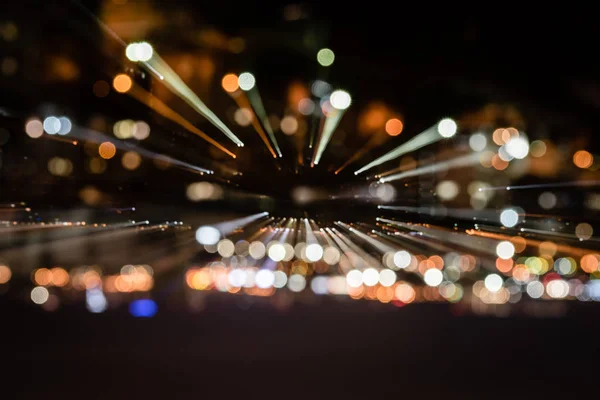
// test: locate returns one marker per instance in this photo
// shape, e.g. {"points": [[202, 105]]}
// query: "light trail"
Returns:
{"points": [[160, 69], [460, 239], [259, 108], [373, 142], [88, 135], [157, 105], [433, 134], [563, 248], [460, 213], [588, 183], [177, 86], [329, 126], [242, 101], [459, 162]]}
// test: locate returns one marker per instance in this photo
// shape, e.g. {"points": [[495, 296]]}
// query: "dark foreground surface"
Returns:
{"points": [[336, 351]]}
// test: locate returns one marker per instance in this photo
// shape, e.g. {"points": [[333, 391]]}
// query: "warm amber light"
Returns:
{"points": [[122, 83], [589, 263], [107, 150], [583, 159], [230, 83], [394, 127], [60, 277]]}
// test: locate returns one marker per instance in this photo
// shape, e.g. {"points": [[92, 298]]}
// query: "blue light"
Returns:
{"points": [[143, 308]]}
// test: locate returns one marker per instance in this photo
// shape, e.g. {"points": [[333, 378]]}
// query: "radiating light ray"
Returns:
{"points": [[359, 153], [310, 236], [460, 213], [157, 105], [346, 251], [59, 139], [227, 227], [408, 242], [423, 139], [587, 183], [259, 108], [331, 122], [458, 162], [112, 231], [159, 68], [177, 86], [559, 234], [457, 238], [563, 248], [242, 101], [382, 247], [367, 259], [89, 135]]}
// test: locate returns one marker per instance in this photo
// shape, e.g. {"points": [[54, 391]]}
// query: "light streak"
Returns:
{"points": [[459, 162], [423, 139], [157, 105], [88, 135], [587, 183]]}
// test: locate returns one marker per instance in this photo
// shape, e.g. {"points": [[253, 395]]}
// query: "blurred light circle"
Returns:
{"points": [[276, 252], [477, 142], [325, 57], [289, 125], [296, 283], [402, 259], [547, 200], [246, 81], [314, 252], [141, 130], [518, 147], [393, 127], [387, 277], [122, 83], [447, 127], [493, 282], [433, 277], [264, 279], [537, 148], [130, 52], [225, 248], [354, 278], [320, 88], [340, 99], [331, 255], [370, 277], [447, 190], [65, 126], [505, 250], [509, 217], [535, 289], [557, 289], [584, 231], [230, 83], [51, 125], [243, 116], [257, 250], [385, 192], [306, 106], [237, 277], [34, 128], [131, 160], [319, 285], [107, 150], [39, 295], [280, 279], [139, 51], [208, 235]]}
